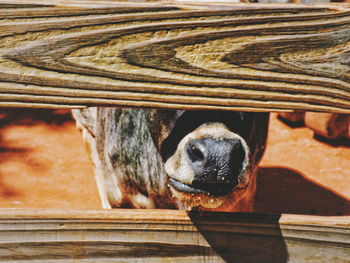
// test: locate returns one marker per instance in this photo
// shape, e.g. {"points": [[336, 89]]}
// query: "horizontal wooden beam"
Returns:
{"points": [[196, 56], [160, 235]]}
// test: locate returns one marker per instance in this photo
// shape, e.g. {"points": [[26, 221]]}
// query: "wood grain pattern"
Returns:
{"points": [[190, 56], [168, 236]]}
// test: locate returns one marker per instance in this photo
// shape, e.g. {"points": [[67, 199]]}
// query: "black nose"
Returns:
{"points": [[216, 164]]}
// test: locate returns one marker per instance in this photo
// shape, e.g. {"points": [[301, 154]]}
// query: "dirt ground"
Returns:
{"points": [[43, 164]]}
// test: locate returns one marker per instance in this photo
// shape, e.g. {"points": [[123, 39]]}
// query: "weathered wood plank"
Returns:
{"points": [[190, 56], [161, 235]]}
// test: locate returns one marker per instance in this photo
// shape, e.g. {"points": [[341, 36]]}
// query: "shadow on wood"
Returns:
{"points": [[136, 235], [261, 238], [239, 243]]}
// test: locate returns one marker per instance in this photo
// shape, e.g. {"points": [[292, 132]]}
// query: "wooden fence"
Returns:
{"points": [[209, 56], [250, 57], [169, 235]]}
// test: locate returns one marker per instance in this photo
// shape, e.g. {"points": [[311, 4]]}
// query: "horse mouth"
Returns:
{"points": [[181, 187], [214, 190], [190, 197]]}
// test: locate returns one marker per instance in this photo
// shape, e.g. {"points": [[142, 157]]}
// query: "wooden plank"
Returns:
{"points": [[191, 56], [168, 235]]}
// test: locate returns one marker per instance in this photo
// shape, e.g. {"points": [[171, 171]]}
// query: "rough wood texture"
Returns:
{"points": [[190, 56], [170, 236]]}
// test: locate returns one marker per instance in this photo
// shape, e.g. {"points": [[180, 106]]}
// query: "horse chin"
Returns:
{"points": [[202, 201]]}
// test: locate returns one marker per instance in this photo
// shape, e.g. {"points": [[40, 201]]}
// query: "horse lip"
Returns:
{"points": [[179, 186], [190, 189]]}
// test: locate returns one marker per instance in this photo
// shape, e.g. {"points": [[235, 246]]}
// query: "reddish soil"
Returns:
{"points": [[43, 163], [303, 175]]}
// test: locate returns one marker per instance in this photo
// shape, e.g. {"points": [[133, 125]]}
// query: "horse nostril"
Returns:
{"points": [[195, 152], [216, 164]]}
